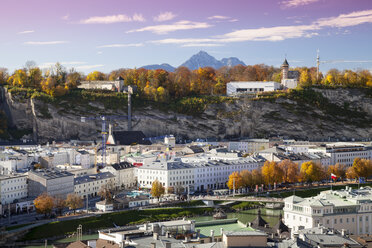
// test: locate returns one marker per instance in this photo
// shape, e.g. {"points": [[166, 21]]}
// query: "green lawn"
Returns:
{"points": [[102, 221], [9, 228]]}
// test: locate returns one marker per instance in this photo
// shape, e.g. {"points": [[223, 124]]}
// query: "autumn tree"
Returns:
{"points": [[350, 174], [235, 181], [157, 189], [19, 78], [96, 76], [257, 177], [3, 75], [362, 167], [44, 204], [59, 204], [311, 172], [272, 172], [290, 171], [338, 169], [247, 180], [107, 191], [74, 201]]}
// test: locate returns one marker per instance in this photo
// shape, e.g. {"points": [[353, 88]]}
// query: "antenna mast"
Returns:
{"points": [[317, 65]]}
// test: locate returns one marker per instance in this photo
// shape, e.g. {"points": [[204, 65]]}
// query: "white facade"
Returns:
{"points": [[236, 88], [289, 83], [12, 187], [343, 209], [197, 175], [124, 174], [345, 153], [90, 185]]}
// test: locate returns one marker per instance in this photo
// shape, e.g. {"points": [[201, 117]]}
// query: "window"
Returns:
{"points": [[335, 221]]}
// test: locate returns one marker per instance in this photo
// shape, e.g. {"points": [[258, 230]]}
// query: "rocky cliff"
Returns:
{"points": [[323, 113]]}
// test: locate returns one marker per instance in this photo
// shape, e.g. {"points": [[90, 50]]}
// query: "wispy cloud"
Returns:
{"points": [[221, 18], [78, 65], [165, 16], [218, 17], [65, 17], [202, 45], [181, 25], [296, 3], [280, 33], [27, 32], [42, 43], [346, 20], [113, 19], [121, 45], [88, 67]]}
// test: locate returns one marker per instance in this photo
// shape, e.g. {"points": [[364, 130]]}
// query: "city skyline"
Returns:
{"points": [[108, 35]]}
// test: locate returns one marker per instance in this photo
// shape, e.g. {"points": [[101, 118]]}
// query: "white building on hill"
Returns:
{"points": [[238, 88]]}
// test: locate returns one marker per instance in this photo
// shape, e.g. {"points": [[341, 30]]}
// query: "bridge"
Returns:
{"points": [[241, 199]]}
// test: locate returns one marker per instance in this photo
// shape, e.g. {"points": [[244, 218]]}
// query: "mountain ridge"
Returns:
{"points": [[200, 59]]}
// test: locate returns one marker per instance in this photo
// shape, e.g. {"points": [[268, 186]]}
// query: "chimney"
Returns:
{"points": [[153, 245], [221, 230], [343, 232], [212, 235], [198, 233]]}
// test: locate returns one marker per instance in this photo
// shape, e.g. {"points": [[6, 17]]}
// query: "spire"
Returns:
{"points": [[285, 63]]}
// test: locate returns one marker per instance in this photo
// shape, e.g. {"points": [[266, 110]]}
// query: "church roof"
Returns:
{"points": [[285, 62], [281, 226], [259, 221], [130, 137]]}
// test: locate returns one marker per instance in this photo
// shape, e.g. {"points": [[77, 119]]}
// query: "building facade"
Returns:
{"points": [[12, 187], [52, 182], [238, 88], [342, 209], [91, 185]]}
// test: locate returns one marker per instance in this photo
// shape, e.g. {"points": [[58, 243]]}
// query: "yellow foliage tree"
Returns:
{"points": [[247, 179], [44, 204], [362, 167], [74, 201], [272, 173], [96, 76], [157, 189], [311, 172], [235, 179], [290, 171], [338, 169]]}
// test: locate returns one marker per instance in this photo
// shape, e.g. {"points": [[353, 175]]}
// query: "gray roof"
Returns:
{"points": [[92, 178], [51, 174], [331, 240]]}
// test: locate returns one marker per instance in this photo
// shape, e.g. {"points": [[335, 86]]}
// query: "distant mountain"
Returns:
{"points": [[164, 66], [203, 59], [232, 61]]}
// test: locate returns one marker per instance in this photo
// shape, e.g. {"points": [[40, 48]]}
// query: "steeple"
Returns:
{"points": [[285, 67]]}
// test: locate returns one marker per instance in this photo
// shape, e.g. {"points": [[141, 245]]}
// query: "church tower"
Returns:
{"points": [[285, 67]]}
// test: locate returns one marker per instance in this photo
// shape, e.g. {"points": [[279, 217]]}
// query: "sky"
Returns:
{"points": [[106, 35]]}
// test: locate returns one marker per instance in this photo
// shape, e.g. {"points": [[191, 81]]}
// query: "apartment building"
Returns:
{"points": [[195, 173], [12, 187], [90, 185], [124, 173]]}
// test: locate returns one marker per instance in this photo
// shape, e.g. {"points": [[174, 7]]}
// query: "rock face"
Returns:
{"points": [[242, 118]]}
